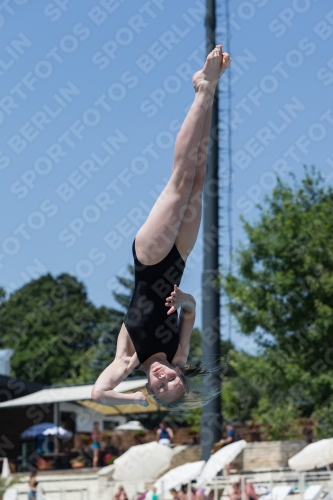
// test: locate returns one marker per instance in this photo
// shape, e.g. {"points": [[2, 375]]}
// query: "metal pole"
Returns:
{"points": [[189, 490], [271, 482], [215, 491], [211, 422], [302, 484], [39, 491], [243, 487], [162, 490], [230, 169]]}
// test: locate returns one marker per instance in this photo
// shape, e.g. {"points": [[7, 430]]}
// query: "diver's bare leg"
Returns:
{"points": [[158, 234]]}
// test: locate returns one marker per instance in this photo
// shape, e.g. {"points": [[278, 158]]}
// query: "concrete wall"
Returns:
{"points": [[54, 483], [183, 454], [259, 455], [268, 454]]}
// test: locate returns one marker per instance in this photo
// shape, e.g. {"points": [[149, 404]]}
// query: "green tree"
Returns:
{"points": [[283, 294], [102, 353], [50, 324], [243, 385]]}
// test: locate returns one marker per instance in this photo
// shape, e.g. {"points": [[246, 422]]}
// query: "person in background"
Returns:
{"points": [[119, 495], [95, 446], [199, 494], [236, 490], [183, 494], [308, 434], [164, 434], [123, 495], [154, 495], [250, 491], [174, 494], [231, 437], [211, 494], [33, 484]]}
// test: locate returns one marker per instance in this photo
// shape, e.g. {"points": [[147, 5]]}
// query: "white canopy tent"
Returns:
{"points": [[81, 394], [10, 494], [179, 475], [219, 460], [77, 393], [5, 473], [315, 455], [132, 425], [143, 462]]}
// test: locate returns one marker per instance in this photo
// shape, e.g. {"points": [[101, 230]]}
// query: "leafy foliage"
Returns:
{"points": [[50, 324], [7, 483], [102, 353], [283, 294]]}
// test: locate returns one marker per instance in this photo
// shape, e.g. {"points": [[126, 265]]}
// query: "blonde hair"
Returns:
{"points": [[198, 389]]}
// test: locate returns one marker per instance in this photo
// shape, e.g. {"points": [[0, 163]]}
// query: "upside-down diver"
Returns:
{"points": [[152, 335]]}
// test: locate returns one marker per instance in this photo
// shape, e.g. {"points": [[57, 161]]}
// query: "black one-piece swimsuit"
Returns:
{"points": [[151, 329]]}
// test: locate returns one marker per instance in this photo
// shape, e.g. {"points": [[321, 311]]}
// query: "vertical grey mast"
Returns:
{"points": [[211, 422]]}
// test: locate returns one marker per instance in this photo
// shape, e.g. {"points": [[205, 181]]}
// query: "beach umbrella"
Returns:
{"points": [[36, 430], [219, 460], [132, 425], [179, 475], [43, 428], [314, 455], [5, 473], [60, 432], [144, 462]]}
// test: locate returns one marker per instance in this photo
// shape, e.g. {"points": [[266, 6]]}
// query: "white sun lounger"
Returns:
{"points": [[313, 492], [277, 493], [10, 494]]}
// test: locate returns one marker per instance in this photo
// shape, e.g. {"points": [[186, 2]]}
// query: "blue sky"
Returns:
{"points": [[92, 94]]}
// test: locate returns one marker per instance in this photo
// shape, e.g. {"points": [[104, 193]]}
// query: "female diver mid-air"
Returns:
{"points": [[153, 336]]}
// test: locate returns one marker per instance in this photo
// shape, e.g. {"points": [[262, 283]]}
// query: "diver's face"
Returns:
{"points": [[165, 381]]}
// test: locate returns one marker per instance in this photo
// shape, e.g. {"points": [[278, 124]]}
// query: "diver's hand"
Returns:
{"points": [[140, 399], [180, 299]]}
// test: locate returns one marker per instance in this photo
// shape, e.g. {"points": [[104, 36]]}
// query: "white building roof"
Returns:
{"points": [[69, 393]]}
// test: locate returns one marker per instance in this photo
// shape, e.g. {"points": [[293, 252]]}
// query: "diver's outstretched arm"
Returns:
{"points": [[125, 361], [115, 373]]}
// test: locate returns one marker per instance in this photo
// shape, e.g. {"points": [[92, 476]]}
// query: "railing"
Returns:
{"points": [[62, 493], [218, 485], [299, 480]]}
